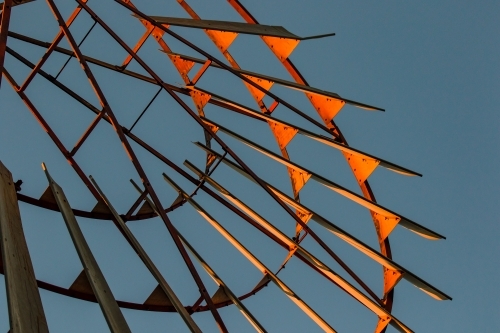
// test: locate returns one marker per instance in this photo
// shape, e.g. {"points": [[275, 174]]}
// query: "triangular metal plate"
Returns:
{"points": [[101, 207], [48, 196], [82, 284], [145, 209], [327, 107], [158, 297], [220, 296]]}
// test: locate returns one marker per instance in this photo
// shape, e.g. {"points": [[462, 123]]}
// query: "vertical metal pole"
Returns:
{"points": [[25, 305], [102, 292], [4, 29]]}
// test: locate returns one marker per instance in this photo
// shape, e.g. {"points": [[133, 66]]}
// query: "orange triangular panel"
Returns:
{"points": [[281, 47], [222, 39], [305, 217], [200, 99], [182, 65], [391, 278], [212, 127], [386, 224], [158, 33], [257, 94], [211, 159], [327, 107], [283, 134], [362, 166], [298, 178]]}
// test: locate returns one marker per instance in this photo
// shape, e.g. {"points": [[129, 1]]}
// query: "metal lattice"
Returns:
{"points": [[46, 80]]}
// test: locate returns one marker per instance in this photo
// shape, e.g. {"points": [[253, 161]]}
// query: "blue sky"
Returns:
{"points": [[432, 66]]}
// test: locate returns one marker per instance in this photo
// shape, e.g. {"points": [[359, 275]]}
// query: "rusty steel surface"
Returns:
{"points": [[220, 151]]}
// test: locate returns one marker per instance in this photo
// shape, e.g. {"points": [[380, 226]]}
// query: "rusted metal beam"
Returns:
{"points": [[372, 305], [107, 216], [222, 285], [45, 126], [26, 313], [49, 51], [109, 307], [4, 30]]}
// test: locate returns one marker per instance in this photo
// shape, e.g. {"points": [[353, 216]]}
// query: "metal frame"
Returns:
{"points": [[327, 105]]}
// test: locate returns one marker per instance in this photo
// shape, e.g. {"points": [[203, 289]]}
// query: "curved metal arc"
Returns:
{"points": [[344, 235], [149, 80], [250, 257]]}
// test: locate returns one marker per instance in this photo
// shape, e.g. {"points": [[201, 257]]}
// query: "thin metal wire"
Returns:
{"points": [[79, 44], [145, 109]]}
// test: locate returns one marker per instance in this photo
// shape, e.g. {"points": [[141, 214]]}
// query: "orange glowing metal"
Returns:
{"points": [[283, 134], [200, 99], [281, 47], [391, 278], [182, 65], [361, 166], [327, 107], [326, 104], [257, 94]]}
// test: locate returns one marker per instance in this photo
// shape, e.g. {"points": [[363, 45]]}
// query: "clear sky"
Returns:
{"points": [[432, 66]]}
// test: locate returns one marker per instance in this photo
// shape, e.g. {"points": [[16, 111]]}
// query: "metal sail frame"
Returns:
{"points": [[222, 34]]}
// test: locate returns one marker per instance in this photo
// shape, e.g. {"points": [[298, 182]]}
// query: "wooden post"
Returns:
{"points": [[25, 305], [102, 292]]}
